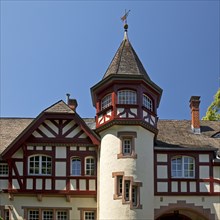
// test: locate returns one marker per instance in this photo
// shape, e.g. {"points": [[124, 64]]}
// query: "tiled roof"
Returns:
{"points": [[178, 134], [172, 133], [126, 61]]}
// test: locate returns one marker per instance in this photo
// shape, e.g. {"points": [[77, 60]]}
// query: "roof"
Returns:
{"points": [[177, 134], [173, 134], [126, 61]]}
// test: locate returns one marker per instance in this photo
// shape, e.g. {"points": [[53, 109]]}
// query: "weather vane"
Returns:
{"points": [[124, 19]]}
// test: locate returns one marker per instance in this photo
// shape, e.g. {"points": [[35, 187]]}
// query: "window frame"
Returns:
{"points": [[127, 97], [76, 168], [184, 167], [84, 210], [91, 171], [125, 136], [148, 103], [4, 169], [106, 101], [41, 167]]}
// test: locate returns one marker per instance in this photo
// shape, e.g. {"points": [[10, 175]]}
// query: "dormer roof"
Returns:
{"points": [[126, 61]]}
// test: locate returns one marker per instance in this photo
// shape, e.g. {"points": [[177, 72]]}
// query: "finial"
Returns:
{"points": [[124, 19]]}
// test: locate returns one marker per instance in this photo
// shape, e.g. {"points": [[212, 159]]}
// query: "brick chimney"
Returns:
{"points": [[194, 106], [72, 103]]}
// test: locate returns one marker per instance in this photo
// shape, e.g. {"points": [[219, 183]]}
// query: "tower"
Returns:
{"points": [[126, 102]]}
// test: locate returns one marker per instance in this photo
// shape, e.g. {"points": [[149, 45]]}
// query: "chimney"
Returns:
{"points": [[72, 103], [194, 106]]}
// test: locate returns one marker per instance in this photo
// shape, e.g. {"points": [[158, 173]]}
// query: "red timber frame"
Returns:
{"points": [[196, 179], [141, 88], [27, 139]]}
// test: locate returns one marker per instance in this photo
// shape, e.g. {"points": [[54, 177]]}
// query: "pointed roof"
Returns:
{"points": [[126, 61], [59, 107]]}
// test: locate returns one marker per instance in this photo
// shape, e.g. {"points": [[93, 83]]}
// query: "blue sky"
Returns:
{"points": [[50, 48]]}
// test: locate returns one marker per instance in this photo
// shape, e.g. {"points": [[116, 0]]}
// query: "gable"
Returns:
{"points": [[53, 128]]}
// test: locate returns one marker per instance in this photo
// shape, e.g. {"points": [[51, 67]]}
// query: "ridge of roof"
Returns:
{"points": [[126, 61], [59, 107]]}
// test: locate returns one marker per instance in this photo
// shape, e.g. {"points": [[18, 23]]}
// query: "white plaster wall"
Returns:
{"points": [[211, 202], [203, 158], [216, 172], [60, 168], [204, 172], [161, 171], [161, 157], [141, 169], [3, 184], [47, 202], [19, 166], [60, 152], [18, 154]]}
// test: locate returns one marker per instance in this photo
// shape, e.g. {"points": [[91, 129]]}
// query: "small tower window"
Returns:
{"points": [[90, 166], [127, 97], [147, 103], [106, 101]]}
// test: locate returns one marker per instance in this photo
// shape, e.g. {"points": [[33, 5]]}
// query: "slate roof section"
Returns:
{"points": [[126, 61], [177, 134], [59, 107], [10, 128], [173, 134]]}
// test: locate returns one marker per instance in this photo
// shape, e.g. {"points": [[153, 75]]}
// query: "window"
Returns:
{"points": [[119, 185], [33, 215], [106, 101], [127, 190], [61, 215], [134, 196], [89, 215], [3, 169], [183, 167], [40, 165], [90, 166], [127, 97], [147, 103], [47, 215], [76, 167], [127, 144]]}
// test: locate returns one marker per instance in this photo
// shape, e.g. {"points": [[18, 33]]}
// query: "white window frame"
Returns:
{"points": [[106, 101], [41, 167], [76, 169], [35, 215], [180, 167], [90, 166], [127, 146], [4, 169], [89, 217], [147, 102], [127, 97]]}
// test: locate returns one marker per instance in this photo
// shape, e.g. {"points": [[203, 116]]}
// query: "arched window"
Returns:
{"points": [[183, 167], [147, 102], [106, 101], [40, 165], [127, 97], [76, 166], [90, 166]]}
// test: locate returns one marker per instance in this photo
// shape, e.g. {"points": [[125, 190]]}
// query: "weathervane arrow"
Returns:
{"points": [[124, 17]]}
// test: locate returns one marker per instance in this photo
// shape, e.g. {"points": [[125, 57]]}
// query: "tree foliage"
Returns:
{"points": [[213, 111]]}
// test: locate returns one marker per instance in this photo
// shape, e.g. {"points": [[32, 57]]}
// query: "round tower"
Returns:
{"points": [[126, 102]]}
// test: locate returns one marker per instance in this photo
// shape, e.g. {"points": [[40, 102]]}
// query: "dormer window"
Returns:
{"points": [[127, 97], [217, 135], [106, 101], [147, 102]]}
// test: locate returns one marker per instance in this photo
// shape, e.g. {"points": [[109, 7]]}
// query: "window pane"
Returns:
{"points": [[106, 101], [134, 196], [76, 167], [89, 215], [90, 166], [127, 97], [127, 190], [33, 215], [47, 215], [147, 102], [61, 215], [3, 169], [127, 147]]}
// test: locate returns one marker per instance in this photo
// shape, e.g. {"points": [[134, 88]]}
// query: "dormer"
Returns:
{"points": [[126, 94]]}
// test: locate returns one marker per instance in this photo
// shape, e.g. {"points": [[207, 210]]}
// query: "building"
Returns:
{"points": [[124, 164]]}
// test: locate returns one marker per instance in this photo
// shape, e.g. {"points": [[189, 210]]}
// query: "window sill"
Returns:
{"points": [[122, 156]]}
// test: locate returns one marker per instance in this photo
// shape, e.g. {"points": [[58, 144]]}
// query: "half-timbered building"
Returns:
{"points": [[124, 164]]}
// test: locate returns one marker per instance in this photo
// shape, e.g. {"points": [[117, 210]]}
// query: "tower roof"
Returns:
{"points": [[126, 61]]}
